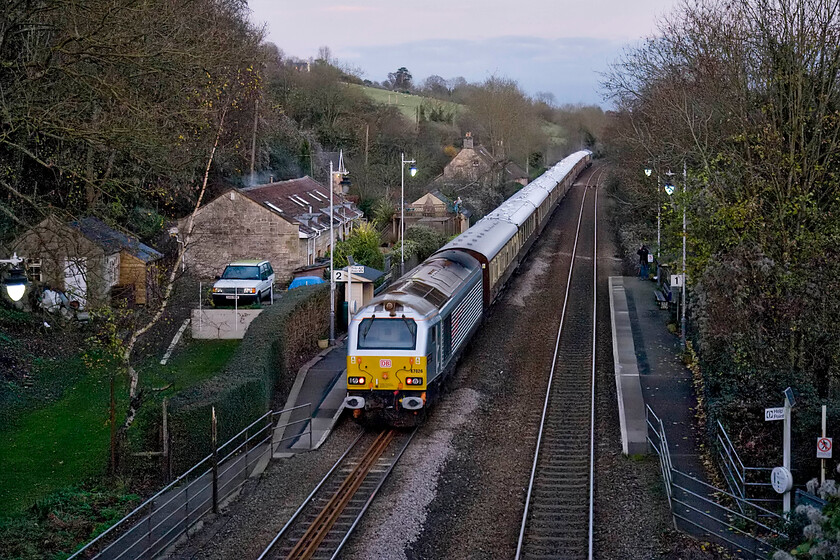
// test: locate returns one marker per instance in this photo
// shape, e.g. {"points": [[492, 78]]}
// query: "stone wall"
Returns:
{"points": [[233, 227]]}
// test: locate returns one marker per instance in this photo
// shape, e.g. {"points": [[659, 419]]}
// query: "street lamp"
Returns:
{"points": [[669, 188], [685, 239], [332, 253], [648, 172], [413, 171], [16, 282]]}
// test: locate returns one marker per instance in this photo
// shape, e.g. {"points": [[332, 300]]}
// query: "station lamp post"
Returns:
{"points": [[648, 172], [412, 171], [332, 252], [16, 282], [670, 189]]}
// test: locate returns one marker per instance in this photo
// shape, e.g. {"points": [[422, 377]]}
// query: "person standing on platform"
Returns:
{"points": [[643, 253]]}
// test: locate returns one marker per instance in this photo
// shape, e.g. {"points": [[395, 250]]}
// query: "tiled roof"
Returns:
{"points": [[514, 171], [113, 241], [304, 202]]}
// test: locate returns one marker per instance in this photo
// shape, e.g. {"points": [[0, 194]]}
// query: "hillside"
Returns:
{"points": [[407, 103]]}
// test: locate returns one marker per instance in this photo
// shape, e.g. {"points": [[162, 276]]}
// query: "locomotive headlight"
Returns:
{"points": [[355, 380], [413, 380]]}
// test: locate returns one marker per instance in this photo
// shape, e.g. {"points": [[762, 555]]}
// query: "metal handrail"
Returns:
{"points": [[723, 538], [677, 494], [188, 485], [728, 510]]}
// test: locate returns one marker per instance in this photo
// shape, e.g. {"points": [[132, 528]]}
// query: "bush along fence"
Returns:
{"points": [[278, 342], [162, 519]]}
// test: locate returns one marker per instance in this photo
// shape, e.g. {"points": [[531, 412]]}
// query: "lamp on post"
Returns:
{"points": [[413, 171], [685, 239], [16, 282], [332, 252], [648, 173], [670, 189]]}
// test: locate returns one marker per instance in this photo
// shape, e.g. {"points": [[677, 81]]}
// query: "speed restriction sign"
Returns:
{"points": [[824, 448]]}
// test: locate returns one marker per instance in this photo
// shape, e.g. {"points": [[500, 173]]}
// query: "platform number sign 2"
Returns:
{"points": [[824, 448]]}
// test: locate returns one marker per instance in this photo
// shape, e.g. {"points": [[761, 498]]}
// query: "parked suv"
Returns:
{"points": [[243, 282]]}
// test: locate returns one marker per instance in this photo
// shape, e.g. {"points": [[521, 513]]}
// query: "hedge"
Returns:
{"points": [[260, 373]]}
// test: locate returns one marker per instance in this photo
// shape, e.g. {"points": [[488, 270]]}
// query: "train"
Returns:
{"points": [[404, 344]]}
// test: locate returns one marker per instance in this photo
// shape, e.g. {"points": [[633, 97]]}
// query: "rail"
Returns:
{"points": [[541, 533], [342, 497], [161, 520]]}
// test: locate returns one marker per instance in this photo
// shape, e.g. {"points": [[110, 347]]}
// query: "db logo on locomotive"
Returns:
{"points": [[385, 364]]}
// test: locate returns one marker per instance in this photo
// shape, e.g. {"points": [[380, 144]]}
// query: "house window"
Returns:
{"points": [[33, 270]]}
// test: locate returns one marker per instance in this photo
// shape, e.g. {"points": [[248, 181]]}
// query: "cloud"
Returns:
{"points": [[570, 68]]}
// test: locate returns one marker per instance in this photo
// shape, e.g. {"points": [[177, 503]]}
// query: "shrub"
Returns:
{"points": [[281, 339]]}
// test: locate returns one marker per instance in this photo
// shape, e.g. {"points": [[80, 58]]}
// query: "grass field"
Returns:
{"points": [[408, 104], [66, 442]]}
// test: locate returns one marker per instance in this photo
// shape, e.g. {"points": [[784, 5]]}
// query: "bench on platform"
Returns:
{"points": [[662, 292], [661, 299]]}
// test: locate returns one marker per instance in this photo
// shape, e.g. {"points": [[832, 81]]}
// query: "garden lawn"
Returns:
{"points": [[197, 361], [66, 442], [61, 444]]}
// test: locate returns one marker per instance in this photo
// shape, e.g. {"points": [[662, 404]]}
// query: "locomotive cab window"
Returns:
{"points": [[387, 334]]}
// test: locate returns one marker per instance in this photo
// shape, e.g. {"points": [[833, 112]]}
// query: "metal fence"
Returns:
{"points": [[165, 517], [750, 483], [749, 531]]}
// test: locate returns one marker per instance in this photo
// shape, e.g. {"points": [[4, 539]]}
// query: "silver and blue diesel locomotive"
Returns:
{"points": [[406, 341]]}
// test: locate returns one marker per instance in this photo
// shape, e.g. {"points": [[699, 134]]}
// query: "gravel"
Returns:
{"points": [[386, 535], [459, 490]]}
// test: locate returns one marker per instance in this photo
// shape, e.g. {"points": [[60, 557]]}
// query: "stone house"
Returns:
{"points": [[88, 260], [285, 222], [512, 173], [473, 164]]}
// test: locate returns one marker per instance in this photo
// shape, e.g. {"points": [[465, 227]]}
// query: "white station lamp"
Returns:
{"points": [[412, 171], [16, 282]]}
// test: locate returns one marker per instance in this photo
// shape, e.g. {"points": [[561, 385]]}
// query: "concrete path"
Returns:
{"points": [[320, 383], [667, 384]]}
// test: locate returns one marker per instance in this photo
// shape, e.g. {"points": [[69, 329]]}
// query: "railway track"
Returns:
{"points": [[557, 521], [328, 516]]}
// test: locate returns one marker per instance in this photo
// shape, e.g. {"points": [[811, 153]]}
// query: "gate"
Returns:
{"points": [[745, 528]]}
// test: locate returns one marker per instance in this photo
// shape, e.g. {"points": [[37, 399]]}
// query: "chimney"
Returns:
{"points": [[468, 141]]}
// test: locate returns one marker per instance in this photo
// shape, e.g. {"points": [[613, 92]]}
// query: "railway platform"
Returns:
{"points": [[650, 372], [319, 383], [648, 356], [666, 384]]}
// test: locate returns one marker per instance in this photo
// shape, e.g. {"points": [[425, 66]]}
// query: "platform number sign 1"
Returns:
{"points": [[824, 448]]}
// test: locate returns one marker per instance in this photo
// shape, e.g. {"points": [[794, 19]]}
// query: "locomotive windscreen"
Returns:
{"points": [[387, 334]]}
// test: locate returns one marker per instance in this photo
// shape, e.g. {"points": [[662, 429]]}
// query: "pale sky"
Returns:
{"points": [[557, 46]]}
